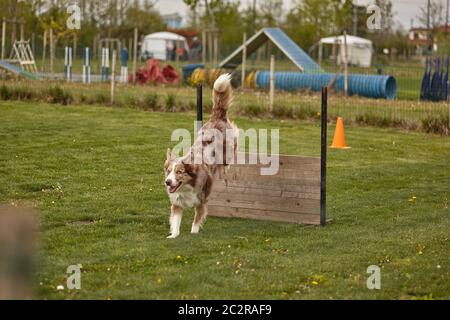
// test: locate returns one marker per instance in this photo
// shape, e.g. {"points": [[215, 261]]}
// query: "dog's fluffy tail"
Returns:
{"points": [[222, 95]]}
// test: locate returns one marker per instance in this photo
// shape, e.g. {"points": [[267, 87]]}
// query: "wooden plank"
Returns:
{"points": [[221, 189], [288, 161], [310, 166], [250, 170], [300, 195], [260, 198], [269, 185], [266, 203], [274, 180], [224, 211], [242, 190]]}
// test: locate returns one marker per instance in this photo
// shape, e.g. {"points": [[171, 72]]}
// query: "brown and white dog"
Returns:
{"points": [[189, 182]]}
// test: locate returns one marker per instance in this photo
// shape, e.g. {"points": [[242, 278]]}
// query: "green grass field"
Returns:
{"points": [[95, 175]]}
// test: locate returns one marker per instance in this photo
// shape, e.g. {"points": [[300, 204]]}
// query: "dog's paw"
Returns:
{"points": [[195, 228], [173, 236]]}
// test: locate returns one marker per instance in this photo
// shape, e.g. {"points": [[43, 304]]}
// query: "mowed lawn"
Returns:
{"points": [[95, 175]]}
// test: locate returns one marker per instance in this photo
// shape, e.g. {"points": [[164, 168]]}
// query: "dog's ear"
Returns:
{"points": [[169, 154], [191, 169]]}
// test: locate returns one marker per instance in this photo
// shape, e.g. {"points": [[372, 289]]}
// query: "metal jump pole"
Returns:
{"points": [[68, 63], [86, 66], [199, 107], [135, 48], [323, 158], [105, 64], [124, 66], [113, 75]]}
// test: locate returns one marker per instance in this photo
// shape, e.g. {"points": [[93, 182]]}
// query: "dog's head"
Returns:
{"points": [[178, 173]]}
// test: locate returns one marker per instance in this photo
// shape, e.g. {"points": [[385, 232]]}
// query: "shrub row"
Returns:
{"points": [[171, 103], [437, 124], [58, 95], [385, 122]]}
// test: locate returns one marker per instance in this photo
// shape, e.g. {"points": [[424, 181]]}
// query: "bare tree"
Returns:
{"points": [[271, 12], [436, 15]]}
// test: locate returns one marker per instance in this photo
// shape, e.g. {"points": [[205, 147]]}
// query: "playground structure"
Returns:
{"points": [[296, 193], [21, 59], [276, 36], [309, 77]]}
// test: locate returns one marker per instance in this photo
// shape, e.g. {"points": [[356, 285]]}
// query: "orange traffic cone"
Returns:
{"points": [[339, 137]]}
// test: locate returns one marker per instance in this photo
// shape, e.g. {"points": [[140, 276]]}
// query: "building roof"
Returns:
{"points": [[440, 29], [165, 36], [350, 40], [174, 16]]}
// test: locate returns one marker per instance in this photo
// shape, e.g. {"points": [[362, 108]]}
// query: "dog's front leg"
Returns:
{"points": [[175, 221]]}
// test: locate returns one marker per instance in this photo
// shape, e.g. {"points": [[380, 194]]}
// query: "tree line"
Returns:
{"points": [[305, 21]]}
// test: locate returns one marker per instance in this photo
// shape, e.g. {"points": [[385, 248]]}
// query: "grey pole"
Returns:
{"points": [[323, 158]]}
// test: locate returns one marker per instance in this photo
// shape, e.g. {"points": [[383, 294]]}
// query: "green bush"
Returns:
{"points": [[101, 98], [385, 122], [151, 101], [192, 105], [283, 111], [132, 101], [305, 113], [207, 107], [5, 93], [251, 110], [83, 98], [435, 124], [21, 93], [59, 95], [170, 102], [374, 120]]}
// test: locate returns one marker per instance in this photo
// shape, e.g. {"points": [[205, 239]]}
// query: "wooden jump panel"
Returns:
{"points": [[291, 195]]}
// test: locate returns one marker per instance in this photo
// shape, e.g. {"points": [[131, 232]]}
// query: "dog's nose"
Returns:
{"points": [[168, 182]]}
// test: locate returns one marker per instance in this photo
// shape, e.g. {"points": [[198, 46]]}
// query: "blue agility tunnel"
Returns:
{"points": [[372, 86]]}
